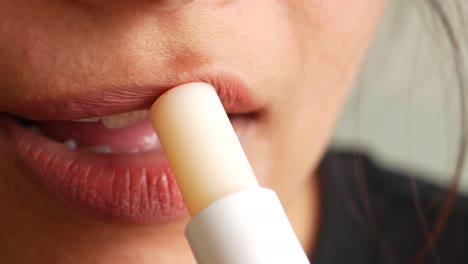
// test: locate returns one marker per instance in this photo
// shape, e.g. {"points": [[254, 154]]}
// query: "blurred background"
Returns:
{"points": [[405, 108]]}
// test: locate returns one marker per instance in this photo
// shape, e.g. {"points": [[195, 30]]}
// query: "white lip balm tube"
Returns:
{"points": [[234, 220]]}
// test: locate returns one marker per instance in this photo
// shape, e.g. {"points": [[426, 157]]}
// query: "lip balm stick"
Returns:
{"points": [[234, 220]]}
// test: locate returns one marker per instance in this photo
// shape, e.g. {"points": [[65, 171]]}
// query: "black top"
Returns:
{"points": [[371, 216]]}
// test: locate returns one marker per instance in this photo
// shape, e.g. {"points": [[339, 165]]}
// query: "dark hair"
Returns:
{"points": [[448, 20], [445, 19]]}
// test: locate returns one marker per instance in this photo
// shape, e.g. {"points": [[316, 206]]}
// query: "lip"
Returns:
{"points": [[127, 188], [233, 92]]}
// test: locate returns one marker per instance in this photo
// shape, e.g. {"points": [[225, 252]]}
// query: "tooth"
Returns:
{"points": [[99, 149], [70, 144], [135, 150], [149, 148], [124, 119], [88, 120]]}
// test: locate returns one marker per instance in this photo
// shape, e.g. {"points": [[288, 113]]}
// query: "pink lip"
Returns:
{"points": [[132, 188], [110, 100]]}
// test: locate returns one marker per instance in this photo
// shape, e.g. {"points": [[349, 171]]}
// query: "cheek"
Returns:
{"points": [[346, 28], [304, 109]]}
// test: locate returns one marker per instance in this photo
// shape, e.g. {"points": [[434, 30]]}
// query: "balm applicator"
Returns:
{"points": [[234, 220]]}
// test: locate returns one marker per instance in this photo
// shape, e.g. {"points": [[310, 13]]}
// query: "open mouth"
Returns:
{"points": [[112, 167], [130, 132], [124, 133]]}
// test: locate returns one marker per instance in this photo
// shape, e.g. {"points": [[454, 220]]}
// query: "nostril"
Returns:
{"points": [[172, 4], [163, 5]]}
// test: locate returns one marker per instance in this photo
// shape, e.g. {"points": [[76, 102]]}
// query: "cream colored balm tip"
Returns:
{"points": [[204, 152]]}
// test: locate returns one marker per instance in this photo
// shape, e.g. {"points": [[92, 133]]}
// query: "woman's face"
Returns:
{"points": [[282, 68]]}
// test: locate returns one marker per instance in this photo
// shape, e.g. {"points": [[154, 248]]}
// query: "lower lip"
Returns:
{"points": [[128, 188]]}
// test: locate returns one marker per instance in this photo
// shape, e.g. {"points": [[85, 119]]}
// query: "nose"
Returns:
{"points": [[172, 4], [163, 5]]}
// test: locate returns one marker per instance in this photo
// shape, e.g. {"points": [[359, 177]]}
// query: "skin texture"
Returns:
{"points": [[298, 57]]}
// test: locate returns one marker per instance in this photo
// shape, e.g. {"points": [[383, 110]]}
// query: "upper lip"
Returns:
{"points": [[234, 94]]}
